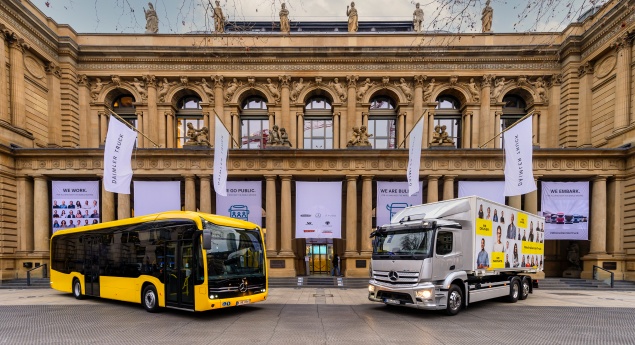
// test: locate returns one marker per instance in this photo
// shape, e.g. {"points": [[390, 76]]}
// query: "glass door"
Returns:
{"points": [[319, 258], [179, 287]]}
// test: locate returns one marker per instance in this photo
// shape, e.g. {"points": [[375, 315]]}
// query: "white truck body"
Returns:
{"points": [[432, 254]]}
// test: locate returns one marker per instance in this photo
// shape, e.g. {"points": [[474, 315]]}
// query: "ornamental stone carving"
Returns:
{"points": [[474, 90], [427, 91], [297, 88], [339, 89], [540, 89], [140, 87], [366, 85], [116, 80], [273, 88], [96, 88], [499, 84], [231, 88], [149, 80], [209, 91], [164, 88], [405, 87]]}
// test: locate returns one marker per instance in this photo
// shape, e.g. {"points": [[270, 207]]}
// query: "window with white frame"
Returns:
{"points": [[318, 124], [189, 111], [254, 123], [382, 123], [448, 113]]}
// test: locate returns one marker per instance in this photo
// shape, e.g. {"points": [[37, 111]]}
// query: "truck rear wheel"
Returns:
{"points": [[514, 291], [455, 300], [524, 290]]}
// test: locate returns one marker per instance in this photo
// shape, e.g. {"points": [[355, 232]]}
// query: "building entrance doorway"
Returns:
{"points": [[319, 258]]}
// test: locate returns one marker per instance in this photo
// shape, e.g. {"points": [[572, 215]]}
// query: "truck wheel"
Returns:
{"points": [[514, 291], [77, 289], [455, 300], [150, 299], [524, 291]]}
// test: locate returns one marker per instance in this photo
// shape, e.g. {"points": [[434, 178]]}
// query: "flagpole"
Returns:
{"points": [[227, 129], [413, 127], [131, 127], [508, 128]]}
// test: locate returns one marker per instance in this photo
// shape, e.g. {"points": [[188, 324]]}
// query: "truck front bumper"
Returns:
{"points": [[422, 296]]}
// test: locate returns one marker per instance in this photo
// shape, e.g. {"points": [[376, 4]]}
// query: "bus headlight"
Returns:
{"points": [[424, 293], [371, 288], [213, 296]]}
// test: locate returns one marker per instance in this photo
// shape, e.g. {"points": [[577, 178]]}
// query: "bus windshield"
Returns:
{"points": [[404, 245], [234, 253]]}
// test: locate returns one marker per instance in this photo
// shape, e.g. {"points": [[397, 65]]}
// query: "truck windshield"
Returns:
{"points": [[404, 245]]}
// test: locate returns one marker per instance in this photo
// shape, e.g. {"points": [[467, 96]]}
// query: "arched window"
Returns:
{"points": [[125, 108], [318, 124], [513, 110], [382, 123], [448, 113], [188, 111], [254, 122]]}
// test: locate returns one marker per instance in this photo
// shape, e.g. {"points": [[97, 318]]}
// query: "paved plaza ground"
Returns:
{"points": [[320, 316]]}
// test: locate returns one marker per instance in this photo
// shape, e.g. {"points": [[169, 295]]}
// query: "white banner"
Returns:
{"points": [[318, 211], [393, 197], [74, 203], [221, 149], [414, 158], [565, 206], [120, 141], [243, 201], [156, 196], [519, 174], [490, 190]]}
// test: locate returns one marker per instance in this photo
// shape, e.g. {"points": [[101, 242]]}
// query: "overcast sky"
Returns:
{"points": [[180, 16]]}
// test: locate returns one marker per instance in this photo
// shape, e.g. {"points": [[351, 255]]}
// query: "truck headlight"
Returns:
{"points": [[424, 293], [371, 288]]}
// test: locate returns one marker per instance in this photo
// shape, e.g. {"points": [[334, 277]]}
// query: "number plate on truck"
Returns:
{"points": [[243, 302], [391, 301]]}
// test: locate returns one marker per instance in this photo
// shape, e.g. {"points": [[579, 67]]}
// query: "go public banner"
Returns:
{"points": [[74, 204], [392, 197], [318, 209], [565, 206], [243, 201]]}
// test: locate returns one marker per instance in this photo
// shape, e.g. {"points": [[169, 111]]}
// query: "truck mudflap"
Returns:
{"points": [[425, 296]]}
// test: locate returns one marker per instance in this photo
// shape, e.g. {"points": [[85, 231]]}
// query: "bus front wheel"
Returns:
{"points": [[77, 289], [150, 299]]}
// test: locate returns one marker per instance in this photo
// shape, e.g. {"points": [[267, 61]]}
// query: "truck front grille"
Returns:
{"points": [[396, 277]]}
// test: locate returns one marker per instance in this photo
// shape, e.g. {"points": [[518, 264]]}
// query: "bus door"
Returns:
{"points": [[91, 265], [179, 287]]}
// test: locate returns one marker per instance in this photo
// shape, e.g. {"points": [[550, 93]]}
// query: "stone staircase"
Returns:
{"points": [[318, 282], [21, 283], [584, 284]]}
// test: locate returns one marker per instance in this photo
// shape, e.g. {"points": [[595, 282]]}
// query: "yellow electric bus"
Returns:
{"points": [[183, 260]]}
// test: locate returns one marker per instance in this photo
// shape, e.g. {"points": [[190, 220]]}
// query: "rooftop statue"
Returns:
{"points": [[417, 18], [152, 21], [219, 18], [351, 12], [285, 27], [488, 13]]}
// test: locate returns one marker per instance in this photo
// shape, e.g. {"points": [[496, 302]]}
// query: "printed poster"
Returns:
{"points": [[74, 204], [318, 210], [565, 206], [156, 196], [490, 190], [392, 197], [243, 201]]}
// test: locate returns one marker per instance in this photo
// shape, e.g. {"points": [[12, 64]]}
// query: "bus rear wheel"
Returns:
{"points": [[77, 289], [150, 299]]}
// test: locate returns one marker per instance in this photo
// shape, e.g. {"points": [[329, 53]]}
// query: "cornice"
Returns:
{"points": [[29, 27], [604, 30]]}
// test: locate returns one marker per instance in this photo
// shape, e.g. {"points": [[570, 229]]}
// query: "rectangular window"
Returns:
{"points": [[444, 243], [318, 134], [383, 133], [254, 133]]}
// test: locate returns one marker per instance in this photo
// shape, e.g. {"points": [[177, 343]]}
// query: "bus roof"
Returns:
{"points": [[194, 216]]}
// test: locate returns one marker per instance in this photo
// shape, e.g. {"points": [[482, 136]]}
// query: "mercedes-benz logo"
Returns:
{"points": [[393, 275], [243, 286]]}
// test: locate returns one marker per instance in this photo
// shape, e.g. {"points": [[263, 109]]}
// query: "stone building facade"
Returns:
{"points": [[57, 87]]}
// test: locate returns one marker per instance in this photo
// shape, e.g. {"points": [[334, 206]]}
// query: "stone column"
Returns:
{"points": [[336, 130], [598, 216], [190, 192], [235, 123], [53, 75], [41, 215], [107, 204], [170, 140], [153, 120], [300, 129], [18, 85], [531, 199], [497, 130], [351, 215], [205, 193], [585, 117], [433, 188], [25, 214], [622, 83], [515, 201], [350, 119], [553, 119], [466, 140], [481, 129], [286, 110], [219, 105], [123, 206], [615, 227], [5, 116], [417, 101], [286, 235], [448, 187], [103, 127], [367, 214], [272, 215], [401, 122]]}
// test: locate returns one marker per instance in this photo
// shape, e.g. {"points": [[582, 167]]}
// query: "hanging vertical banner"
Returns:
{"points": [[414, 158], [120, 141], [74, 204], [519, 174], [318, 211], [156, 196], [565, 206], [243, 201], [221, 149], [393, 197], [490, 190]]}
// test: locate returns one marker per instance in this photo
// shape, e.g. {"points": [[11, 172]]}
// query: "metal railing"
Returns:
{"points": [[596, 274], [28, 273]]}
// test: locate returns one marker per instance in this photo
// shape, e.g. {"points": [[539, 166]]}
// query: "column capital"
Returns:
{"points": [[286, 177], [82, 80], [584, 69], [450, 177], [601, 177], [218, 81], [284, 80], [189, 177], [368, 177], [18, 44], [434, 177], [623, 41], [204, 177], [150, 80], [270, 177], [39, 177], [556, 80], [487, 80], [419, 79], [53, 69], [352, 177], [352, 81]]}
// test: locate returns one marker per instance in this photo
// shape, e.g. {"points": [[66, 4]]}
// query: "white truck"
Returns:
{"points": [[446, 255]]}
